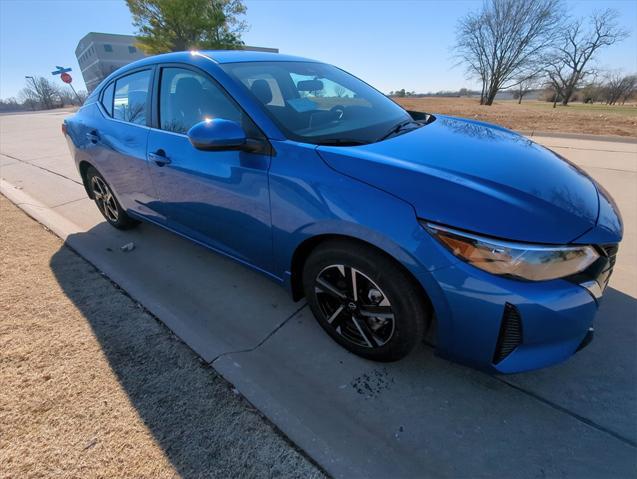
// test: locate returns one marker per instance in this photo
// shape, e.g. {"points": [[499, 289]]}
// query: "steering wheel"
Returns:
{"points": [[338, 110]]}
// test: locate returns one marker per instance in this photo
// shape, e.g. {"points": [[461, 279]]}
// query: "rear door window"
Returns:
{"points": [[130, 102]]}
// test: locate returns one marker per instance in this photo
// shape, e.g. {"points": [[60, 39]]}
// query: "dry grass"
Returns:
{"points": [[93, 386], [533, 115]]}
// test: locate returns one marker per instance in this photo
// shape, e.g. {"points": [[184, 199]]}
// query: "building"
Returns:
{"points": [[100, 54]]}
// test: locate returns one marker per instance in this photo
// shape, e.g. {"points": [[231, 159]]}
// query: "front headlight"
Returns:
{"points": [[523, 261]]}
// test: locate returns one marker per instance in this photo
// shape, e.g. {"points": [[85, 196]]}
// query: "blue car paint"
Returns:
{"points": [[473, 171], [200, 190], [556, 316], [463, 173]]}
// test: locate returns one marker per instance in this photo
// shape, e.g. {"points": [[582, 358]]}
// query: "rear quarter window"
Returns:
{"points": [[107, 99]]}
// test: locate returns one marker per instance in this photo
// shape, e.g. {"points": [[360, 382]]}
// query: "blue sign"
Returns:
{"points": [[60, 70]]}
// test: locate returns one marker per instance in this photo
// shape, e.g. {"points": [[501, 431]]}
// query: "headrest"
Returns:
{"points": [[187, 85], [261, 89]]}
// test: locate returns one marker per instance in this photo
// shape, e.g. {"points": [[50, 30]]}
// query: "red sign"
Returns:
{"points": [[66, 78]]}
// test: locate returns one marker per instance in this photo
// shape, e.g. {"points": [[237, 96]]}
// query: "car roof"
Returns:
{"points": [[218, 56], [235, 56]]}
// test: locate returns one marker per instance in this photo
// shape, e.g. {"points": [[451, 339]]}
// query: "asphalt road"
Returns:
{"points": [[419, 417]]}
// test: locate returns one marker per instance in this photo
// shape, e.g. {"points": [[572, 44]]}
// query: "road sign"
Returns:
{"points": [[66, 78], [60, 70]]}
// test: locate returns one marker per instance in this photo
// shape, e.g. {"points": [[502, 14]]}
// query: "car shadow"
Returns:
{"points": [[192, 414], [170, 389]]}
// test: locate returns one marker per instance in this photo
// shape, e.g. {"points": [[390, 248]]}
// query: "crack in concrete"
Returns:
{"points": [[263, 341], [590, 149], [612, 169], [41, 167], [70, 201], [564, 410]]}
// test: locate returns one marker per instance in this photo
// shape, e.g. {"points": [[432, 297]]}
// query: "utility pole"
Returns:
{"points": [[35, 87]]}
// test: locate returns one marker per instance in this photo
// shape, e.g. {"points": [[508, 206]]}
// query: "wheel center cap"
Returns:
{"points": [[351, 306]]}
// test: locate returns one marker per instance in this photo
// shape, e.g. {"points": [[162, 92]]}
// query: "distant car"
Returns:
{"points": [[388, 222]]}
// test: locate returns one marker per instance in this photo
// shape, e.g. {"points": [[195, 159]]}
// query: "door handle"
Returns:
{"points": [[159, 157], [92, 136]]}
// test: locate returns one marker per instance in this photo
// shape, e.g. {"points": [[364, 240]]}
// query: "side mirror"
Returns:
{"points": [[217, 134]]}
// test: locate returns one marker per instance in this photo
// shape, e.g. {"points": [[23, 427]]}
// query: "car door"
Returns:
{"points": [[119, 138], [220, 198]]}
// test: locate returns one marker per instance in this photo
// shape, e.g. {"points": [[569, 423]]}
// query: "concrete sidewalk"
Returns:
{"points": [[421, 416]]}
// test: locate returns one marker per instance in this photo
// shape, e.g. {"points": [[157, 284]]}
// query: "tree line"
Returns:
{"points": [[516, 44], [40, 93]]}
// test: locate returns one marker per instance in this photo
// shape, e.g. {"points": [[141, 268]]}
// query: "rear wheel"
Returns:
{"points": [[364, 300], [106, 201]]}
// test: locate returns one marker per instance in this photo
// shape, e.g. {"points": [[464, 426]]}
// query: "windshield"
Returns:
{"points": [[318, 103]]}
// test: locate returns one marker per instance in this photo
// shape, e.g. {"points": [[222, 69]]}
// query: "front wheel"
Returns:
{"points": [[365, 301], [106, 201]]}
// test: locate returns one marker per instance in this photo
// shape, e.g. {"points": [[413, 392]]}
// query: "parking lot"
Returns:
{"points": [[423, 416]]}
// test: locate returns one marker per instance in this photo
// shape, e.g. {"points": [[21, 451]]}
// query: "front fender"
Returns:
{"points": [[309, 199]]}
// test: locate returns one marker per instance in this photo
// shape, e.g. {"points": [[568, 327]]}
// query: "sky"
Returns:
{"points": [[390, 44]]}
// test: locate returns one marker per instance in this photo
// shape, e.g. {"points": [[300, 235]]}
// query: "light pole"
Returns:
{"points": [[35, 87], [32, 79]]}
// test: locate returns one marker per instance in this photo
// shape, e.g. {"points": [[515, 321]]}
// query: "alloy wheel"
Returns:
{"points": [[354, 306], [104, 198]]}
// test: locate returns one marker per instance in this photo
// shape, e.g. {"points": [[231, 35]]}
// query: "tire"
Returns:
{"points": [[107, 202], [382, 288]]}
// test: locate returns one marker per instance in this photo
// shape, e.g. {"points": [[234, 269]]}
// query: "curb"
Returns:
{"points": [[578, 136], [39, 211]]}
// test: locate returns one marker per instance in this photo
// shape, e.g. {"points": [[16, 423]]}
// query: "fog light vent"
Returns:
{"points": [[510, 333]]}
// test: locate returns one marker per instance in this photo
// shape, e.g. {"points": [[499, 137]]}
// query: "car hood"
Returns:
{"points": [[481, 178]]}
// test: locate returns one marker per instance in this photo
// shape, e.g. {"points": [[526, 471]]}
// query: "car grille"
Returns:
{"points": [[510, 336]]}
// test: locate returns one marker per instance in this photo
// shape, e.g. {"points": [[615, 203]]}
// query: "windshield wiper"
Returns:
{"points": [[398, 127], [340, 142]]}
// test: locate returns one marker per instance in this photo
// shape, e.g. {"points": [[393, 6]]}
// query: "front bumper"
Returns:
{"points": [[506, 325]]}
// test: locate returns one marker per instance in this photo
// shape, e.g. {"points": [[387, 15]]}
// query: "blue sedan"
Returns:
{"points": [[392, 224]]}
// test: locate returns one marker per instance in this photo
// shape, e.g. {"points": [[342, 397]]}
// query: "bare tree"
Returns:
{"points": [[68, 97], [525, 85], [340, 91], [29, 98], [593, 91], [619, 88], [570, 64], [42, 92], [505, 41]]}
